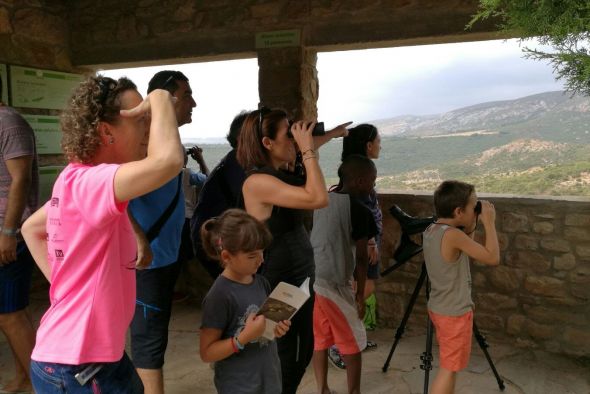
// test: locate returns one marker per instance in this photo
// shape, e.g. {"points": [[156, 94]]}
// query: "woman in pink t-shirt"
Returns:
{"points": [[82, 240]]}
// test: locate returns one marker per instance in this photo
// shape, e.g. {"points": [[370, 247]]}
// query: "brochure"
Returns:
{"points": [[282, 304]]}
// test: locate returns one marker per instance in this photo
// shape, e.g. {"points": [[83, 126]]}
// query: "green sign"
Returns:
{"points": [[47, 133], [47, 177], [33, 88], [278, 39], [4, 78]]}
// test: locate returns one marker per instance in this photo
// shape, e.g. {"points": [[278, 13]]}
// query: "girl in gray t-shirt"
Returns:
{"points": [[230, 326]]}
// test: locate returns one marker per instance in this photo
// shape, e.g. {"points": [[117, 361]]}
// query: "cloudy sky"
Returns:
{"points": [[369, 84]]}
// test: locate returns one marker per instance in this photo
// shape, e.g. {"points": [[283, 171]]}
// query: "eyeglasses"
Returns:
{"points": [[261, 112], [167, 81]]}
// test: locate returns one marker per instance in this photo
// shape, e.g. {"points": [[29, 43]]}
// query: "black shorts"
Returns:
{"points": [[149, 327], [15, 281]]}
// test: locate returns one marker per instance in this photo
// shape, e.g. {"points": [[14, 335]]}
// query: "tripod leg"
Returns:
{"points": [[483, 344], [402, 326], [426, 357]]}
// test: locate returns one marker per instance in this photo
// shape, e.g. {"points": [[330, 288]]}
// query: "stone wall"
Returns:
{"points": [[111, 31], [538, 297], [34, 33]]}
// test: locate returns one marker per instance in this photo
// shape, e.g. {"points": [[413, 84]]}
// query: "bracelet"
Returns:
{"points": [[308, 150], [10, 232], [233, 345], [309, 157], [238, 343]]}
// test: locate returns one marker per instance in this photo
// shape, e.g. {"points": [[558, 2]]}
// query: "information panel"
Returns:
{"points": [[4, 77], [278, 39], [34, 88], [47, 177], [47, 133]]}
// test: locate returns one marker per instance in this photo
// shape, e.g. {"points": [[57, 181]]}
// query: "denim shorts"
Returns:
{"points": [[113, 378]]}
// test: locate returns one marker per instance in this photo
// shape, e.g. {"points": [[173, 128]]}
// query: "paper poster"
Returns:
{"points": [[4, 78], [47, 133], [34, 88], [47, 177]]}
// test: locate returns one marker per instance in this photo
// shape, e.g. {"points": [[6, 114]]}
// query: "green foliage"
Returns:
{"points": [[561, 24]]}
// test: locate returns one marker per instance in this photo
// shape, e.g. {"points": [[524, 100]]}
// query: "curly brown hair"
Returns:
{"points": [[97, 99]]}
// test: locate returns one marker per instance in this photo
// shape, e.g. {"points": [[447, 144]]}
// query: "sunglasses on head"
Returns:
{"points": [[262, 111]]}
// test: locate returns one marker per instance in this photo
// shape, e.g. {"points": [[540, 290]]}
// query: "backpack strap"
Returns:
{"points": [[154, 231]]}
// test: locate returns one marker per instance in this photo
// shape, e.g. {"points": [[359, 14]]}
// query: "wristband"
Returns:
{"points": [[238, 344], [10, 232], [233, 345]]}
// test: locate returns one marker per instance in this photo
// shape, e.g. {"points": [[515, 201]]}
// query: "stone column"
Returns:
{"points": [[288, 79]]}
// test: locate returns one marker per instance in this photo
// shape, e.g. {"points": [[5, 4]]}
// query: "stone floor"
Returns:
{"points": [[524, 371]]}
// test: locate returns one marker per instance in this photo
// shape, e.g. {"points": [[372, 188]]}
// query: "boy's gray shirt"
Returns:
{"points": [[450, 283], [333, 247]]}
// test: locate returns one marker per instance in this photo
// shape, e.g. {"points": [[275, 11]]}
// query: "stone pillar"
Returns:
{"points": [[288, 79]]}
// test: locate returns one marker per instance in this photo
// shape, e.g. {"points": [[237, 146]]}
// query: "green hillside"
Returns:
{"points": [[500, 163]]}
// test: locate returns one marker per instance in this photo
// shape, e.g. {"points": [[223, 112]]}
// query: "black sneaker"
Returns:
{"points": [[370, 346], [336, 358]]}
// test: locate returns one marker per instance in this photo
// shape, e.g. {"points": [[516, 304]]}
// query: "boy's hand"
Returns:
{"points": [[360, 306], [488, 213], [282, 327], [254, 328]]}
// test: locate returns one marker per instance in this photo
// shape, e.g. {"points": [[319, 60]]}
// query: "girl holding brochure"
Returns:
{"points": [[230, 326]]}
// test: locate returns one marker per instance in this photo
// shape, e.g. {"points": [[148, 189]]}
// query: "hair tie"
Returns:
{"points": [[219, 244]]}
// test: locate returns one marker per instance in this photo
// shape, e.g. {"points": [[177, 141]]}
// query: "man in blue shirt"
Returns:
{"points": [[158, 221]]}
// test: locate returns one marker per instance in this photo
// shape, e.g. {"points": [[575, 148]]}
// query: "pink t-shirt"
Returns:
{"points": [[91, 251]]}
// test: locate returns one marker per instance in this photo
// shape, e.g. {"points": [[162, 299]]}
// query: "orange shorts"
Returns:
{"points": [[453, 334], [336, 322]]}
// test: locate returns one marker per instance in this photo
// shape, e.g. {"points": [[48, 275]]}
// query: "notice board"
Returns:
{"points": [[35, 88]]}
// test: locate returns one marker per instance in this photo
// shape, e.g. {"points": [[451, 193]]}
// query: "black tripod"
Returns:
{"points": [[406, 250]]}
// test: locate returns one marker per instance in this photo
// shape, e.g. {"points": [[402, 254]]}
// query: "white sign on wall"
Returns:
{"points": [[34, 88], [47, 133]]}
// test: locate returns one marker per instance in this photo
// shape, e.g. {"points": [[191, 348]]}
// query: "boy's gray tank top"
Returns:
{"points": [[450, 292]]}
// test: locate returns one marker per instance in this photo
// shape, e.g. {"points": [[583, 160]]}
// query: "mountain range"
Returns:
{"points": [[539, 112]]}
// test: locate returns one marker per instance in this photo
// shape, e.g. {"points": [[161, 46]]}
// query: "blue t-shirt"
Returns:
{"points": [[147, 210]]}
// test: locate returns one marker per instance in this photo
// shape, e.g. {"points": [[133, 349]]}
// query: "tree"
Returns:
{"points": [[562, 24]]}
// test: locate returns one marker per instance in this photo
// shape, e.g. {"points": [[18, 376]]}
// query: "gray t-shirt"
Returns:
{"points": [[336, 228], [16, 140], [257, 368]]}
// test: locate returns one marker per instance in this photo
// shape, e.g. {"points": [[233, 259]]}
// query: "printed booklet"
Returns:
{"points": [[284, 301]]}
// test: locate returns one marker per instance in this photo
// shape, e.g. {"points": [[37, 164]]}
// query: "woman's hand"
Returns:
{"points": [[301, 131], [145, 106], [144, 252], [282, 327], [339, 131]]}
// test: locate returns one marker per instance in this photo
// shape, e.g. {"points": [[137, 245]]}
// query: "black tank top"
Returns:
{"points": [[289, 258]]}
